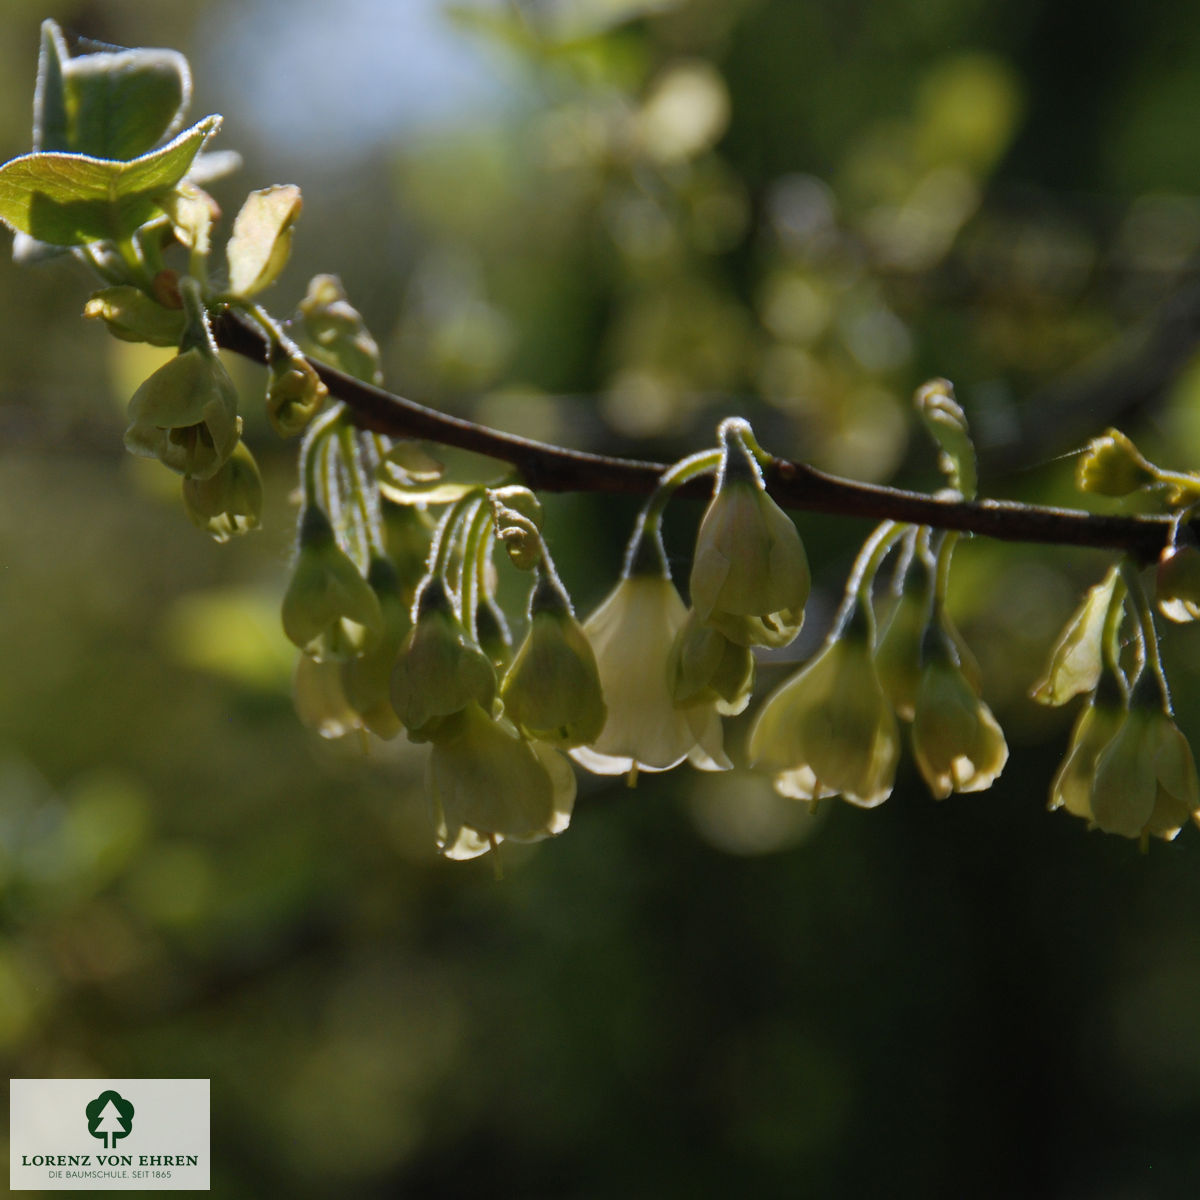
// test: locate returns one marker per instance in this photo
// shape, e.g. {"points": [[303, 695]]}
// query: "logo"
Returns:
{"points": [[109, 1117], [79, 1135]]}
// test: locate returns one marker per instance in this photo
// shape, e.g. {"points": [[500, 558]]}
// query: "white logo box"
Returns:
{"points": [[163, 1145]]}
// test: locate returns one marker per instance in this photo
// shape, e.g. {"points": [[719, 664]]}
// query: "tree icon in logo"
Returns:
{"points": [[109, 1116]]}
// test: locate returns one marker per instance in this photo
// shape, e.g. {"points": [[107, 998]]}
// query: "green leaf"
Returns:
{"points": [[331, 330], [116, 105], [49, 103], [71, 199], [262, 238]]}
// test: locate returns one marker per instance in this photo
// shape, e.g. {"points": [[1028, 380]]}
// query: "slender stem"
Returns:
{"points": [[644, 554], [795, 485], [461, 510], [475, 539], [858, 586], [1145, 618], [314, 437], [704, 462], [945, 554], [365, 497], [1111, 644]]}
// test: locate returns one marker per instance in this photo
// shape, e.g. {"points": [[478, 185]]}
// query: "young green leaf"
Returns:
{"points": [[262, 238], [71, 199], [116, 105]]}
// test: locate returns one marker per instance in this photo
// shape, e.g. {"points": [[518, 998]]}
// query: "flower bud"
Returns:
{"points": [[439, 672], [1177, 583], [958, 745], [133, 316], [552, 690], [294, 393], [706, 667], [1112, 466], [333, 331], [230, 502], [329, 609], [750, 575], [185, 415], [492, 634]]}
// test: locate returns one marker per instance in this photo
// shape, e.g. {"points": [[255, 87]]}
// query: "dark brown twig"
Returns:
{"points": [[550, 468]]}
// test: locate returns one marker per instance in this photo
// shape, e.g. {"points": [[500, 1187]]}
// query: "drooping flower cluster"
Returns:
{"points": [[1128, 769], [439, 664], [832, 728]]}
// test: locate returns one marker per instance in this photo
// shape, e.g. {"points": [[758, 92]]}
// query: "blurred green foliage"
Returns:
{"points": [[685, 208]]}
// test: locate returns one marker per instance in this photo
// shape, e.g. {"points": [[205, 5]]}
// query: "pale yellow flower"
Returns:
{"points": [[1094, 729], [439, 671], [320, 697], [958, 745], [487, 784], [1075, 661], [830, 729], [898, 654], [552, 690], [1145, 781], [750, 575], [631, 633], [329, 609], [706, 666]]}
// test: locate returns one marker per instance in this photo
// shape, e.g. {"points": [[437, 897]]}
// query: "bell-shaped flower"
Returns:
{"points": [[320, 697], [407, 534], [229, 502], [898, 652], [185, 415], [367, 677], [631, 634], [1095, 728], [829, 729], [329, 609], [492, 634], [750, 575], [440, 671], [1145, 781], [958, 745], [1075, 661], [706, 667], [552, 690], [487, 783]]}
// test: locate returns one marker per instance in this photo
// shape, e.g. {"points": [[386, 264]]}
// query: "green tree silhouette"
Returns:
{"points": [[109, 1117]]}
